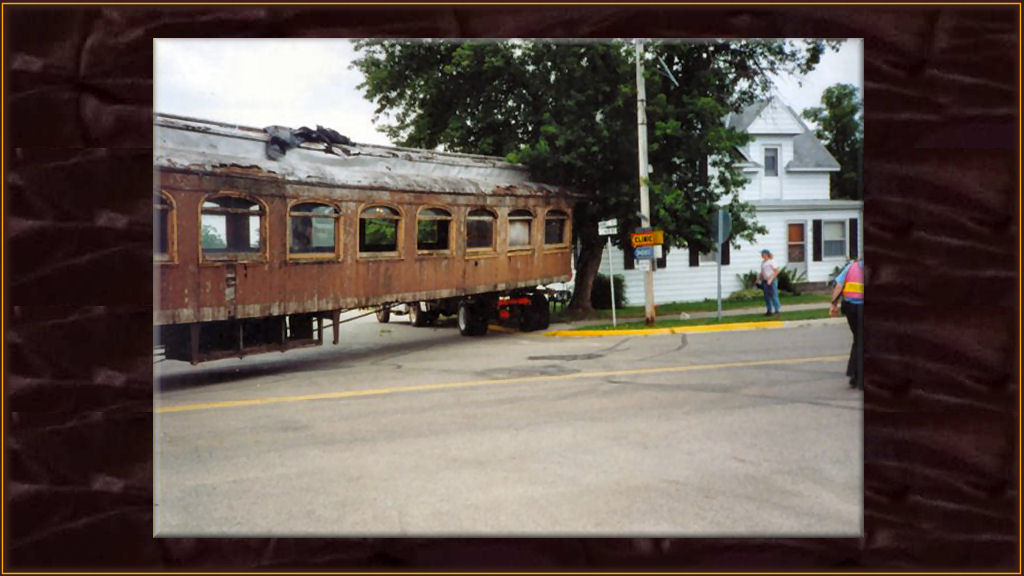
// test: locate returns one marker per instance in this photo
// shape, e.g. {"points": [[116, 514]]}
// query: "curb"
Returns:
{"points": [[671, 330], [770, 325]]}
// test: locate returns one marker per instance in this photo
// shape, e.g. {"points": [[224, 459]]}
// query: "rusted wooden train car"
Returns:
{"points": [[263, 238]]}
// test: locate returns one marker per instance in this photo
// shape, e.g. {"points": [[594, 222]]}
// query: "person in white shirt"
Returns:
{"points": [[769, 281]]}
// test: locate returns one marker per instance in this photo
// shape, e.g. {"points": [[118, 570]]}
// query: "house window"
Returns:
{"points": [[797, 243], [432, 229], [554, 227], [378, 229], [771, 161], [834, 239], [230, 226], [480, 229], [163, 210], [709, 257], [313, 229], [519, 225]]}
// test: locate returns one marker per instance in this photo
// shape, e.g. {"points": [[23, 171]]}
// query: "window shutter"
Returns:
{"points": [[853, 239], [694, 257], [627, 256], [817, 240], [725, 252], [663, 261]]}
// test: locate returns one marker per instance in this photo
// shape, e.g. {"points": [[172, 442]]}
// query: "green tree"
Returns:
{"points": [[212, 239], [568, 112], [841, 129]]}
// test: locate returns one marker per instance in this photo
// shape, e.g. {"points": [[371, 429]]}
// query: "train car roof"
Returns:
{"points": [[192, 144]]}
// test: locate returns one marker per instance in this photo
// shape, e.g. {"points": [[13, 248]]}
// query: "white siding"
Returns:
{"points": [[775, 119], [805, 186], [679, 282]]}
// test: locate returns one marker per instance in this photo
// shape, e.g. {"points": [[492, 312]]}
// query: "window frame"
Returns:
{"points": [[228, 257], [395, 254], [566, 231], [314, 256], [171, 256], [482, 250], [778, 160], [509, 218], [843, 225], [790, 244], [451, 230]]}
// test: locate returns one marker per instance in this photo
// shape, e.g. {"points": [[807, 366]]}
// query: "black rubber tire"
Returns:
{"points": [[470, 319], [538, 315], [383, 315], [417, 317], [465, 318]]}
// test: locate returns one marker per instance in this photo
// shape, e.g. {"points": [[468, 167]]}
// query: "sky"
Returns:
{"points": [[308, 82]]}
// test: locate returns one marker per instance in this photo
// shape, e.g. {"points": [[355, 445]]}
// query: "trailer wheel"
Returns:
{"points": [[538, 315], [418, 317], [383, 314], [471, 321]]}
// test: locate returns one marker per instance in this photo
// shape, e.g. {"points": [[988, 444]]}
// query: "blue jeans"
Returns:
{"points": [[771, 296]]}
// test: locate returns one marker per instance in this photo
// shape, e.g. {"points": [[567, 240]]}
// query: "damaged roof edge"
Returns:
{"points": [[261, 134]]}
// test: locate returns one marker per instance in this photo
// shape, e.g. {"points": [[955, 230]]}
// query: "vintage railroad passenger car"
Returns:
{"points": [[263, 238]]}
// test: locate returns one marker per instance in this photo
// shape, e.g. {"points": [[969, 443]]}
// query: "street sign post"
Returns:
{"points": [[610, 228], [721, 227], [643, 253]]}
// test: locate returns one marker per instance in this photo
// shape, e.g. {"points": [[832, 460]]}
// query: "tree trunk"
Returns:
{"points": [[591, 247]]}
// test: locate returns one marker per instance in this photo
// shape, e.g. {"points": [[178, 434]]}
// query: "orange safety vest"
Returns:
{"points": [[854, 285]]}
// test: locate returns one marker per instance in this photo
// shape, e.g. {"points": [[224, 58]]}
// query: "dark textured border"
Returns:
{"points": [[941, 236]]}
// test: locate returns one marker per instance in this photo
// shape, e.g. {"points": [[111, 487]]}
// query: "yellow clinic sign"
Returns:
{"points": [[652, 238]]}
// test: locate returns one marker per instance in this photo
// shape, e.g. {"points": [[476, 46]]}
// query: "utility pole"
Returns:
{"points": [[645, 201]]}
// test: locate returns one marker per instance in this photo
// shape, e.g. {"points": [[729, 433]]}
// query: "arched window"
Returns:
{"points": [[314, 229], [231, 226], [554, 227], [164, 228], [433, 229], [378, 229], [519, 227], [480, 229]]}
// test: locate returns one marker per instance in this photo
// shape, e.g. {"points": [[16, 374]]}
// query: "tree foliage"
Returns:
{"points": [[212, 238], [568, 112], [841, 129]]}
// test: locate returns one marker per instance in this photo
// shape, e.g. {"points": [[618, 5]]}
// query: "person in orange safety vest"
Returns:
{"points": [[850, 287]]}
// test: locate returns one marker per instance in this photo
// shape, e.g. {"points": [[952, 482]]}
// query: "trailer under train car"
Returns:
{"points": [[265, 236]]}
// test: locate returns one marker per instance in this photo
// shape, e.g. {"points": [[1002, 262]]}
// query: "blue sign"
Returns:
{"points": [[643, 253]]}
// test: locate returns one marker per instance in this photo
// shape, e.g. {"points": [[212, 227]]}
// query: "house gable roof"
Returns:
{"points": [[740, 122], [808, 152]]}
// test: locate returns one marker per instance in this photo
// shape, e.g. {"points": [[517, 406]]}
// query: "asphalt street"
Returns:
{"points": [[403, 431]]}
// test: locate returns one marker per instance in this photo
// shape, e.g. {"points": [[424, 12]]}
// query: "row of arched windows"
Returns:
{"points": [[230, 227]]}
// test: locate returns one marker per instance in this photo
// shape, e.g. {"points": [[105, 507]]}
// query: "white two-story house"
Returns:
{"points": [[789, 169]]}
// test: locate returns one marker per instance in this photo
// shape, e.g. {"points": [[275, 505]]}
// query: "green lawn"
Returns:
{"points": [[786, 316], [703, 306]]}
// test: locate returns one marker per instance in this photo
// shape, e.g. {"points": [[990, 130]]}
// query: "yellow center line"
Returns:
{"points": [[472, 383]]}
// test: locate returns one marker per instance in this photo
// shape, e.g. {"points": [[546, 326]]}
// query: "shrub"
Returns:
{"points": [[600, 293], [746, 294], [788, 278], [748, 279]]}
